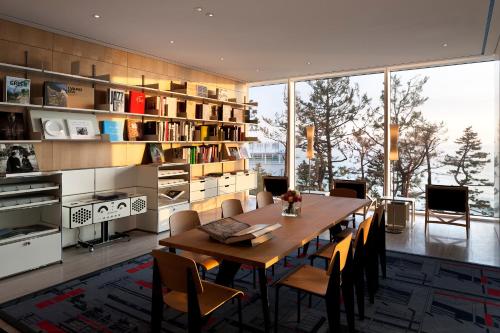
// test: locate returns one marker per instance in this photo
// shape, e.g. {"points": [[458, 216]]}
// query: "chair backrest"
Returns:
{"points": [[357, 185], [379, 216], [343, 192], [183, 221], [264, 198], [342, 249], [173, 270], [363, 231], [231, 207], [447, 198], [277, 185]]}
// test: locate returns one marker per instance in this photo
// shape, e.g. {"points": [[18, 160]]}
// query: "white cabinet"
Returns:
{"points": [[202, 189], [30, 253], [246, 181], [165, 213]]}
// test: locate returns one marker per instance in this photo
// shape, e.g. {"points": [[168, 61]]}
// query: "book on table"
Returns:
{"points": [[230, 231]]}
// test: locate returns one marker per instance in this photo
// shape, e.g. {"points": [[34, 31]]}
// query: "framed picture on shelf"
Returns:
{"points": [[116, 100], [81, 129], [17, 158], [156, 153], [11, 126], [231, 152]]}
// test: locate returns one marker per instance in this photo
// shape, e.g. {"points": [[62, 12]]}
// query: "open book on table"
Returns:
{"points": [[229, 231]]}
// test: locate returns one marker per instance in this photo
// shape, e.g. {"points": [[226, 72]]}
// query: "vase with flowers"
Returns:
{"points": [[291, 203]]}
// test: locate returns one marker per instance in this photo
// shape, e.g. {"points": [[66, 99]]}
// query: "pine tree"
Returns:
{"points": [[466, 166]]}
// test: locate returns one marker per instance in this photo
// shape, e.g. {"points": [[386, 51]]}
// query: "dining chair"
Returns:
{"points": [[277, 185], [327, 284], [186, 220], [379, 247], [344, 193], [186, 292], [361, 258], [263, 199], [231, 207]]}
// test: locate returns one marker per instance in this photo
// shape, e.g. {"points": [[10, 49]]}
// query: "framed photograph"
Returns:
{"points": [[231, 152], [11, 126], [116, 100], [81, 129], [54, 129], [156, 153], [17, 158]]}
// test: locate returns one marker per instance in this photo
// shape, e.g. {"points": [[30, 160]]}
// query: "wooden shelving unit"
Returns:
{"points": [[107, 83]]}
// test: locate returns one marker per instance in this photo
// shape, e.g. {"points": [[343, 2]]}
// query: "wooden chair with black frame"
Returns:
{"points": [[277, 185], [360, 186], [263, 198], [186, 292], [327, 284], [184, 221], [448, 205]]}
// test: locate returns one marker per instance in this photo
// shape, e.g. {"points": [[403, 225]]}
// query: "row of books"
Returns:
{"points": [[197, 154]]}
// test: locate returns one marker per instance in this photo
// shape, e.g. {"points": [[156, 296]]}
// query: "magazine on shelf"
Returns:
{"points": [[172, 195], [230, 230]]}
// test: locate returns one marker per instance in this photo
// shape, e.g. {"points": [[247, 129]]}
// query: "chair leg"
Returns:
{"points": [[272, 270], [317, 242], [240, 316], [360, 291], [298, 306], [348, 296], [276, 307], [284, 261], [254, 278], [305, 248], [333, 310]]}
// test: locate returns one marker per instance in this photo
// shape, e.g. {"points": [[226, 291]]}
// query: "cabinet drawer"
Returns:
{"points": [[30, 254], [227, 180], [245, 181], [203, 194], [197, 185], [227, 189], [165, 213]]}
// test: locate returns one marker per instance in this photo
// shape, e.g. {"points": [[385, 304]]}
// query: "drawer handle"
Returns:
{"points": [[226, 185], [26, 243], [202, 181], [202, 190]]}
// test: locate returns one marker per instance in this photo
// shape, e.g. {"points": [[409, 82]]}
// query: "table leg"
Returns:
{"points": [[227, 272], [156, 300], [264, 298]]}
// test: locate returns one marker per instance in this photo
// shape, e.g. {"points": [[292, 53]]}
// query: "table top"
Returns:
{"points": [[318, 214]]}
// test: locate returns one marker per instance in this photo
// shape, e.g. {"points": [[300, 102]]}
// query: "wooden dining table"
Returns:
{"points": [[319, 213]]}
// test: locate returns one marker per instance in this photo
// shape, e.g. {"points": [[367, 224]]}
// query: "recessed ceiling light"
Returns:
{"points": [[96, 16], [210, 14], [198, 9], [171, 42], [221, 59], [444, 44], [308, 62], [257, 70]]}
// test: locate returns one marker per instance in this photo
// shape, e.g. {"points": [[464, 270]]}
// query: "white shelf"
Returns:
{"points": [[22, 237], [19, 141], [172, 185], [31, 190], [30, 205], [173, 174], [171, 203]]}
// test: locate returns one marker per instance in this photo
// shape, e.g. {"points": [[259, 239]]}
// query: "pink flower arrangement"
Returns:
{"points": [[292, 196]]}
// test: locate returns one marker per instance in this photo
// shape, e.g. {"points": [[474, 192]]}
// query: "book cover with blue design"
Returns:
{"points": [[114, 129]]}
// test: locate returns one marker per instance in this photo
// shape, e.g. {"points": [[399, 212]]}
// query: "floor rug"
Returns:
{"points": [[420, 294]]}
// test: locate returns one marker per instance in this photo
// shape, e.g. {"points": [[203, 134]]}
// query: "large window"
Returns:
{"points": [[268, 155], [447, 119], [347, 114]]}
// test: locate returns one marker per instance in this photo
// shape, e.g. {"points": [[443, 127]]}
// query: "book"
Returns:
{"points": [[116, 100], [134, 129], [17, 159], [17, 90], [156, 153], [172, 194], [11, 126], [80, 96], [55, 94], [230, 230], [114, 129], [137, 102]]}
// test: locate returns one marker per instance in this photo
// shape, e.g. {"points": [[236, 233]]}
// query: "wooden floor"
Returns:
{"points": [[449, 242]]}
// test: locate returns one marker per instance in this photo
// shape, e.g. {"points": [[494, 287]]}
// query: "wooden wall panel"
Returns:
{"points": [[56, 52]]}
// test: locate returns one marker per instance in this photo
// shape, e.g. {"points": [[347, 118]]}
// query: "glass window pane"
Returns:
{"points": [[347, 114], [268, 155], [447, 119]]}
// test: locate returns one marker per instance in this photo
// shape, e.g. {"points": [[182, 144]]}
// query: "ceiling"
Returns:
{"points": [[274, 39]]}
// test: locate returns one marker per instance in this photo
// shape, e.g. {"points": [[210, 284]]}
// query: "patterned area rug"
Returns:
{"points": [[420, 294]]}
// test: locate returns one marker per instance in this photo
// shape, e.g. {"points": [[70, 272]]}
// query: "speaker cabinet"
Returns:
{"points": [[138, 205], [77, 215]]}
